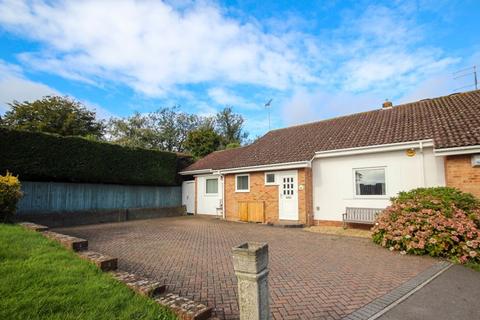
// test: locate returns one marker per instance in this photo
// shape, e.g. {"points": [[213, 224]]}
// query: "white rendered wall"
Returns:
{"points": [[208, 203], [334, 186]]}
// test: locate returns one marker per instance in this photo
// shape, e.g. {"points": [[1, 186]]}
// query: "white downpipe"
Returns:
{"points": [[222, 177], [422, 159]]}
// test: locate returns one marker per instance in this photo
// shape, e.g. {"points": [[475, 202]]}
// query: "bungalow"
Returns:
{"points": [[311, 173]]}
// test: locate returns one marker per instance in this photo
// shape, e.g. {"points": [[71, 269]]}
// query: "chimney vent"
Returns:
{"points": [[387, 104]]}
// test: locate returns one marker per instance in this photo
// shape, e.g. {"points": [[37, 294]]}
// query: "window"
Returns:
{"points": [[242, 183], [370, 182], [211, 186], [269, 178]]}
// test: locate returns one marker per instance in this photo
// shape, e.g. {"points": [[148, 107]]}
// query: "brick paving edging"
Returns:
{"points": [[381, 305]]}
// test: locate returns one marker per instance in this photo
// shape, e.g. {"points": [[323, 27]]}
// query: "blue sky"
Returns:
{"points": [[316, 59]]}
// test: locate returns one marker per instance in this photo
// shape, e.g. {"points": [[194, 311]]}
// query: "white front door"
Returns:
{"points": [[288, 188], [188, 195]]}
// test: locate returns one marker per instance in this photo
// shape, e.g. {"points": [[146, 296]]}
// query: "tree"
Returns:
{"points": [[230, 127], [169, 129], [172, 127], [133, 131], [232, 145], [54, 114], [202, 141], [165, 129]]}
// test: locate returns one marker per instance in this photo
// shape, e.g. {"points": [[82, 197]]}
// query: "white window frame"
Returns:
{"points": [[236, 182], [375, 196], [211, 194], [274, 183]]}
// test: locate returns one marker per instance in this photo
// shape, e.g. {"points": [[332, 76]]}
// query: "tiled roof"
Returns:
{"points": [[451, 121]]}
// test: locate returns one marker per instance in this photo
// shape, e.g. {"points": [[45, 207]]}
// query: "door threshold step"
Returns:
{"points": [[288, 224]]}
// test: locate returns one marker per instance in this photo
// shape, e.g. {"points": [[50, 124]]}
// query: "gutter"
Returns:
{"points": [[457, 151], [194, 172], [268, 167]]}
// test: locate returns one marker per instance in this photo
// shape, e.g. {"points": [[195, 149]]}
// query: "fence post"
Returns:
{"points": [[250, 262]]}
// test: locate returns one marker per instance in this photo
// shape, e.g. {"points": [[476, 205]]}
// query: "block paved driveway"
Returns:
{"points": [[312, 276]]}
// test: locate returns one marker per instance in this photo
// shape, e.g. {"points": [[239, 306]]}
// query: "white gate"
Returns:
{"points": [[188, 195]]}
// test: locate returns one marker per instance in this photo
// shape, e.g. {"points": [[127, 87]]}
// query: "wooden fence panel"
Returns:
{"points": [[48, 197]]}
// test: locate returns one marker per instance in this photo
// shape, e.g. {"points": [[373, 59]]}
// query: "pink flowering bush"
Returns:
{"points": [[441, 222]]}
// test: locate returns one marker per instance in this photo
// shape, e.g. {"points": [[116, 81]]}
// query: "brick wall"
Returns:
{"points": [[460, 174], [305, 196], [269, 195]]}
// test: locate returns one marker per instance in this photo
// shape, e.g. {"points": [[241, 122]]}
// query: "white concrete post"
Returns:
{"points": [[250, 262]]}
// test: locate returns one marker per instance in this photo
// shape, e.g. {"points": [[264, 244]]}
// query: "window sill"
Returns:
{"points": [[371, 197], [242, 191]]}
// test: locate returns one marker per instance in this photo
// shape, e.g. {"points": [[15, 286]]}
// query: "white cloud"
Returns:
{"points": [[14, 86], [151, 45], [383, 48], [313, 105], [205, 110], [161, 49], [374, 55], [226, 97], [309, 106]]}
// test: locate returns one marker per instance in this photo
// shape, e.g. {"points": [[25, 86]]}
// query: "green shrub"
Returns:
{"points": [[446, 199], [440, 222], [47, 157], [10, 194]]}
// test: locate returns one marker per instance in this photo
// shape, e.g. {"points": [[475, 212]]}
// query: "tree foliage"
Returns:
{"points": [[165, 129], [170, 129], [134, 131], [53, 114], [203, 141], [230, 127], [36, 156]]}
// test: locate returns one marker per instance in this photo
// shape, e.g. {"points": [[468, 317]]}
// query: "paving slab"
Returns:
{"points": [[453, 295], [312, 275]]}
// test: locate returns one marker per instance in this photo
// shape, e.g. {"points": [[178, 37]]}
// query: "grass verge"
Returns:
{"points": [[39, 279], [474, 266]]}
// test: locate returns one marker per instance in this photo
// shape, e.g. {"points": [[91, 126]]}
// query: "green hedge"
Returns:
{"points": [[46, 157]]}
